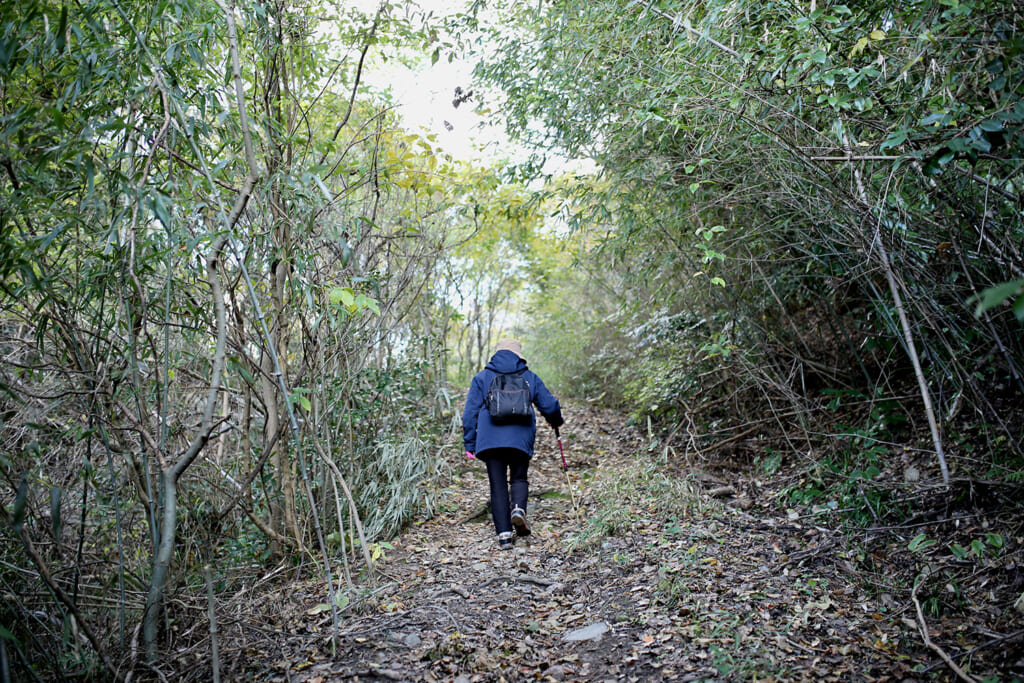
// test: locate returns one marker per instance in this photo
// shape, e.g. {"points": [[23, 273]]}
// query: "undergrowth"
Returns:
{"points": [[649, 492], [394, 484]]}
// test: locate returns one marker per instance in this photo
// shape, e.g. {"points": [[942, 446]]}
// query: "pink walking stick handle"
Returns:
{"points": [[565, 468]]}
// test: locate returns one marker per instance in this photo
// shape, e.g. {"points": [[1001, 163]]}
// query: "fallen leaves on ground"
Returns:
{"points": [[708, 592]]}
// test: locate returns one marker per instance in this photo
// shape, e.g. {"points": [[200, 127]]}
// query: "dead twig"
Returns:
{"points": [[60, 595], [722, 491], [995, 641], [734, 437], [802, 555], [458, 590], [922, 627], [522, 578], [211, 604]]}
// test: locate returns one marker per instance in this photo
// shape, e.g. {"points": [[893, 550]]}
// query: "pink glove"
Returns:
{"points": [[470, 455]]}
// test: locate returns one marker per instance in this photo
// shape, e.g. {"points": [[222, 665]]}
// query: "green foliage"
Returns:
{"points": [[674, 360], [386, 440], [770, 149], [720, 262], [989, 544], [992, 297], [575, 333], [124, 151], [501, 259], [349, 301], [770, 463], [920, 542], [846, 480], [654, 491], [393, 483]]}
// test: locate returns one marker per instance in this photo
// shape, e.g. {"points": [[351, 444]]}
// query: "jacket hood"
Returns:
{"points": [[505, 362]]}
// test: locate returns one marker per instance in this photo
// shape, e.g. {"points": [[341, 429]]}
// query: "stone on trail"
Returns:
{"points": [[591, 632]]}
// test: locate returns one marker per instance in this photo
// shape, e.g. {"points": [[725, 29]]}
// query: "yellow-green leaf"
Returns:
{"points": [[858, 47], [342, 295]]}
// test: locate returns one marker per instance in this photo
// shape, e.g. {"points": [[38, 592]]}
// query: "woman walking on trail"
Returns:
{"points": [[499, 427]]}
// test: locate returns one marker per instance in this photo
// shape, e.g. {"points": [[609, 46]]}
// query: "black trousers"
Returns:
{"points": [[507, 470]]}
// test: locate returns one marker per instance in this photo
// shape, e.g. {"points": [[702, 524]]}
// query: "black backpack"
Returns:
{"points": [[508, 400]]}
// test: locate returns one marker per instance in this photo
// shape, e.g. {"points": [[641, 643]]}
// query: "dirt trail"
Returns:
{"points": [[665, 585]]}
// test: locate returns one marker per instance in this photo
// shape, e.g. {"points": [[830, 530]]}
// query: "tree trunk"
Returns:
{"points": [[161, 563], [172, 473]]}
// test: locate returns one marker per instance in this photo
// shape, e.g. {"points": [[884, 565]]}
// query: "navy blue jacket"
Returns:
{"points": [[480, 434]]}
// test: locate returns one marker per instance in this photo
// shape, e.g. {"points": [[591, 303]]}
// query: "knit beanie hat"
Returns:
{"points": [[512, 345]]}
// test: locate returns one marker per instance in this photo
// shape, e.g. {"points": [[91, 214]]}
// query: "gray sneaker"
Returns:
{"points": [[519, 521], [506, 539]]}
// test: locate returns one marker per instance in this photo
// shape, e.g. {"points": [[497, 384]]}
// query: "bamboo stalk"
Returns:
{"points": [[908, 335], [210, 603]]}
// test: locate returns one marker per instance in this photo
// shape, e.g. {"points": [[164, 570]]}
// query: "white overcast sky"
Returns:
{"points": [[424, 95]]}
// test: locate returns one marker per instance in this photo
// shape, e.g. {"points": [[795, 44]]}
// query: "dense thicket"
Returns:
{"points": [[227, 282], [233, 290], [798, 208]]}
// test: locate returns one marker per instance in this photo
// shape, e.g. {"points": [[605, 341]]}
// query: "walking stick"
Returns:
{"points": [[565, 469]]}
